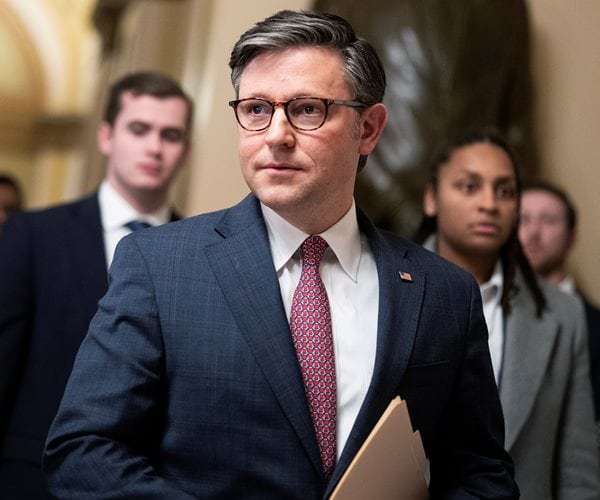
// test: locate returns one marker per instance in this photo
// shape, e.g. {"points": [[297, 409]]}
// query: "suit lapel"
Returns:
{"points": [[84, 236], [528, 347], [243, 265], [399, 306]]}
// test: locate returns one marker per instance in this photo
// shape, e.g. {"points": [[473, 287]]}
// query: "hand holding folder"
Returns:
{"points": [[391, 463]]}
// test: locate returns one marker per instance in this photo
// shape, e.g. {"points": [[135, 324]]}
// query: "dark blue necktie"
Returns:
{"points": [[134, 225]]}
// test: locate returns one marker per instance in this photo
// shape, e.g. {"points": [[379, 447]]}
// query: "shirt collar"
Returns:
{"points": [[115, 211], [491, 289], [567, 285], [343, 239], [431, 243]]}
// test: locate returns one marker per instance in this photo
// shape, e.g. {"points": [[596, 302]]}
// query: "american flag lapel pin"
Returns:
{"points": [[405, 276]]}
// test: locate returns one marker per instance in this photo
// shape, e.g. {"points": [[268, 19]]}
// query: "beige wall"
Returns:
{"points": [[48, 51], [566, 69]]}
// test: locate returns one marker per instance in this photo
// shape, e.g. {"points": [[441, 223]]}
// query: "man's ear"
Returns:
{"points": [[429, 201], [104, 138], [373, 121]]}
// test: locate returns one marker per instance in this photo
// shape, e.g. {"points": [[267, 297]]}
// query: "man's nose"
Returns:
{"points": [[530, 225], [280, 130], [154, 143]]}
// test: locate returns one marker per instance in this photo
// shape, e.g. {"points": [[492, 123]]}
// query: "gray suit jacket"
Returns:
{"points": [[547, 400]]}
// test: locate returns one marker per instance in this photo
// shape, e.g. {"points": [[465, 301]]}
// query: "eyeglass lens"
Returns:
{"points": [[303, 113]]}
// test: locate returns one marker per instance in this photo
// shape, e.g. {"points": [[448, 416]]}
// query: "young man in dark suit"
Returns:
{"points": [[53, 264], [247, 353]]}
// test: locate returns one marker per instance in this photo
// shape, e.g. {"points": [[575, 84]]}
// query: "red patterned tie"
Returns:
{"points": [[310, 323]]}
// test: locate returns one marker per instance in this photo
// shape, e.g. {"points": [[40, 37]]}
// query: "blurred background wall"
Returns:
{"points": [[48, 51], [448, 70], [59, 55]]}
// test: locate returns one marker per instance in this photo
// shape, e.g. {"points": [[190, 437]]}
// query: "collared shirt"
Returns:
{"points": [[567, 285], [115, 212], [349, 274], [491, 294]]}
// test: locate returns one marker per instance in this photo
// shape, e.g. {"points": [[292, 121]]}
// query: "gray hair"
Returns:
{"points": [[363, 69]]}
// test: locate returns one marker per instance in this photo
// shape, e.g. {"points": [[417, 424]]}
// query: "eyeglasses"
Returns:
{"points": [[303, 113]]}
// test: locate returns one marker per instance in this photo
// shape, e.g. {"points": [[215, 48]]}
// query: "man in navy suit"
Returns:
{"points": [[53, 265], [189, 383]]}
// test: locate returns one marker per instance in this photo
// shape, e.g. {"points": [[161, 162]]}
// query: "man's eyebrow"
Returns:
{"points": [[505, 179]]}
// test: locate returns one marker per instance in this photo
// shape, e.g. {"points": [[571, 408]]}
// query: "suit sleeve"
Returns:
{"points": [[109, 425], [469, 459], [578, 470], [16, 310]]}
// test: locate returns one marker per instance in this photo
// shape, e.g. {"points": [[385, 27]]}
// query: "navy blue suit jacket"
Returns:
{"points": [[187, 384], [592, 314], [52, 274]]}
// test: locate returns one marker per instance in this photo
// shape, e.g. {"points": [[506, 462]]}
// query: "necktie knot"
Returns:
{"points": [[313, 248], [134, 225]]}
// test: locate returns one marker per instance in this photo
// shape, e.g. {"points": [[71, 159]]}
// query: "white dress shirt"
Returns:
{"points": [[349, 274], [115, 212], [567, 285], [491, 294]]}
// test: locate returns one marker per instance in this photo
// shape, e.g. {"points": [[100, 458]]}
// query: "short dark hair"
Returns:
{"points": [[570, 210], [145, 83], [288, 28], [363, 69]]}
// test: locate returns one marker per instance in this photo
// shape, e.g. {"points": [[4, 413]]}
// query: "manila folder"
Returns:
{"points": [[391, 463]]}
